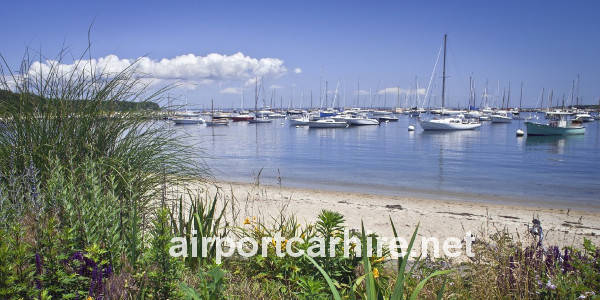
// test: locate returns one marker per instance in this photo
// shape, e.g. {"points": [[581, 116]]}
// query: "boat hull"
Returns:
{"points": [[500, 119], [543, 129], [317, 124], [362, 122], [299, 122], [437, 125], [188, 121]]}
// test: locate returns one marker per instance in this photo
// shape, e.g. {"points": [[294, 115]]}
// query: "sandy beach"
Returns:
{"points": [[437, 218]]}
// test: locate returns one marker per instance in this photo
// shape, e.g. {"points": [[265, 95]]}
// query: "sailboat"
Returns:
{"points": [[448, 123], [187, 117], [260, 116], [215, 121]]}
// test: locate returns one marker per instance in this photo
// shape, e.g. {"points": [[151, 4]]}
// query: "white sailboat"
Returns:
{"points": [[449, 123]]}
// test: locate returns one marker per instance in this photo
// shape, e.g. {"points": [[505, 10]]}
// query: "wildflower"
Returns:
{"points": [[303, 236], [550, 285], [380, 259], [246, 221], [352, 245], [253, 219], [375, 273], [89, 298]]}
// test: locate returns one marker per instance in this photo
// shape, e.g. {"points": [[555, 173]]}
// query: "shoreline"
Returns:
{"points": [[437, 218], [437, 195]]}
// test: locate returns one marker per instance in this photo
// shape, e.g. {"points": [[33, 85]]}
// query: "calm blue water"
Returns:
{"points": [[490, 164]]}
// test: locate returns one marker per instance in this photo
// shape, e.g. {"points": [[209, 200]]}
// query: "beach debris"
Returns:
{"points": [[394, 206]]}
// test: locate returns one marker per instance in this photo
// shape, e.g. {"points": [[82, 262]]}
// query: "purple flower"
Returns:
{"points": [[550, 285]]}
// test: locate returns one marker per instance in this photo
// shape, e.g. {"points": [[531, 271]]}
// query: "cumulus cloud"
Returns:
{"points": [[190, 69], [297, 70], [396, 90]]}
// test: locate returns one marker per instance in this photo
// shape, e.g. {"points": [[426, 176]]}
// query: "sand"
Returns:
{"points": [[437, 218]]}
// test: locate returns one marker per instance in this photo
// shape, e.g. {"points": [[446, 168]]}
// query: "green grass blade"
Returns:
{"points": [[399, 287], [415, 293], [334, 291], [441, 291], [370, 280]]}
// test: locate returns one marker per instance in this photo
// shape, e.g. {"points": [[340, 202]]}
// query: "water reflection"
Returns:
{"points": [[552, 144]]}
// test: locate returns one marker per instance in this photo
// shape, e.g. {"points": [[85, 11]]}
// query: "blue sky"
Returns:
{"points": [[545, 44]]}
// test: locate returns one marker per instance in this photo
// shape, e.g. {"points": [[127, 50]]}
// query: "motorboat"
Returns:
{"points": [[361, 120], [584, 117], [217, 122], [242, 117], [187, 120], [327, 123], [299, 121], [501, 116], [559, 125], [260, 120]]}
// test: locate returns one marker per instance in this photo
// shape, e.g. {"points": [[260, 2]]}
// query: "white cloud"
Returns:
{"points": [[190, 70], [231, 90], [275, 86], [297, 70], [396, 90]]}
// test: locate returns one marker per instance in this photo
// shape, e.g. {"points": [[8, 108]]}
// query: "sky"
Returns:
{"points": [[369, 51]]}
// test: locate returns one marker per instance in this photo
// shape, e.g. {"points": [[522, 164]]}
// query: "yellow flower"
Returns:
{"points": [[89, 298], [253, 219], [246, 221], [352, 246], [380, 259], [375, 273], [273, 242]]}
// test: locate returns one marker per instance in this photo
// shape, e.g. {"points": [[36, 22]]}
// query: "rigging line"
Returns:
{"points": [[431, 78]]}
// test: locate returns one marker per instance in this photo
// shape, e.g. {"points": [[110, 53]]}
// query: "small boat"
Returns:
{"points": [[260, 120], [361, 120], [327, 123], [303, 121], [387, 119], [187, 120], [501, 117], [559, 125], [217, 122], [584, 117], [485, 117], [214, 121], [242, 117]]}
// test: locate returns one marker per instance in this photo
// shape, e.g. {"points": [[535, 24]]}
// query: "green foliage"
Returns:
{"points": [[164, 270]]}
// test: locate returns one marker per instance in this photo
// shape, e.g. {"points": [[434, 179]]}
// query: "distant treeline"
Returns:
{"points": [[10, 99]]}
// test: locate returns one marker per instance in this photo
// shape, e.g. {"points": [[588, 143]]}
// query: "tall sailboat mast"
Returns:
{"points": [[444, 76]]}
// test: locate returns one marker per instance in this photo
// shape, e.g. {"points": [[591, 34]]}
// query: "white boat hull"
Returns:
{"points": [[299, 122], [360, 122], [333, 124], [441, 125]]}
